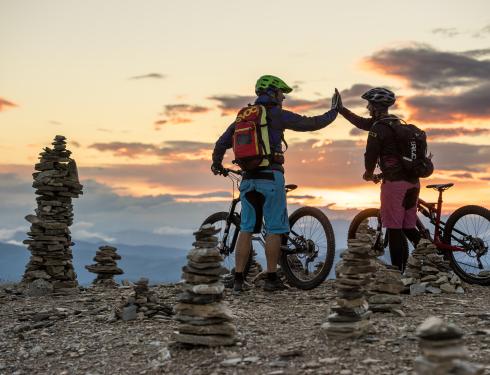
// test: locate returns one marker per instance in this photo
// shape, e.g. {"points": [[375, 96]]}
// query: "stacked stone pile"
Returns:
{"points": [[350, 313], [204, 318], [443, 351], [385, 287], [429, 272], [143, 303], [56, 182], [106, 266]]}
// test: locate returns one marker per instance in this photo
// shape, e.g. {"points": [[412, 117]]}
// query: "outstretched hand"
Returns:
{"points": [[339, 100]]}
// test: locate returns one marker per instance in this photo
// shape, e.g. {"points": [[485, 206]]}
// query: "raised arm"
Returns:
{"points": [[358, 121], [372, 151], [293, 121]]}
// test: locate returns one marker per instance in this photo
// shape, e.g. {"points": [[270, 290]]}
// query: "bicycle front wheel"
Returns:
{"points": [[227, 248], [308, 252], [469, 228]]}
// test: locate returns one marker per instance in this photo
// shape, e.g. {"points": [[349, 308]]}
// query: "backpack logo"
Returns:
{"points": [[251, 144], [411, 144]]}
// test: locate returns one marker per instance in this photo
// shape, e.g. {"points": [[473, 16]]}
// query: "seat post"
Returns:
{"points": [[438, 217]]}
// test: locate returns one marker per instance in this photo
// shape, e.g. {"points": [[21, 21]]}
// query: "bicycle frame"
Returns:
{"points": [[433, 212], [299, 247]]}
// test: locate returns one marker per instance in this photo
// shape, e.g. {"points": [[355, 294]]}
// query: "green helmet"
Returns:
{"points": [[267, 81]]}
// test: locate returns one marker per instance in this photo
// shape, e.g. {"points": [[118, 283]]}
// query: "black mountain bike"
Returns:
{"points": [[307, 251]]}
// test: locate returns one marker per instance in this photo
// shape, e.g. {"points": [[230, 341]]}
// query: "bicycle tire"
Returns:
{"points": [[229, 259], [448, 232], [367, 214], [330, 250]]}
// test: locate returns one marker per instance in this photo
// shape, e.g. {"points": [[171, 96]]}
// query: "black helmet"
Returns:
{"points": [[380, 97]]}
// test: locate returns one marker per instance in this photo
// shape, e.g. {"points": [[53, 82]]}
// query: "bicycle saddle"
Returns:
{"points": [[440, 186], [291, 187]]}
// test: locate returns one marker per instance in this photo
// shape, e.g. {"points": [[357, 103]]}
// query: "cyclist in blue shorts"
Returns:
{"points": [[262, 191]]}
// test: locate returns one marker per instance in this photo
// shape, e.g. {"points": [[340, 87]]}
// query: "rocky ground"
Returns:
{"points": [[278, 334]]}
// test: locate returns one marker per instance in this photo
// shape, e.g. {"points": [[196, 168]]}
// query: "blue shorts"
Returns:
{"points": [[264, 198]]}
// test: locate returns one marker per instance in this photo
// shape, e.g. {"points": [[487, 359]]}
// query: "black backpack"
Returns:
{"points": [[412, 149]]}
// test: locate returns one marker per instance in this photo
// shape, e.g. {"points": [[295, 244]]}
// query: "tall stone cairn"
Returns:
{"points": [[204, 318], [385, 287], [349, 315], [106, 266], [443, 351], [428, 272], [56, 183]]}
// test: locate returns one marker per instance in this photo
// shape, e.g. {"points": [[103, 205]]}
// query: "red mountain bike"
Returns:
{"points": [[463, 239], [307, 251]]}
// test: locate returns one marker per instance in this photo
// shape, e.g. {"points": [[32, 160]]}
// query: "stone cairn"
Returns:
{"points": [[443, 351], [350, 313], [106, 266], [429, 272], [385, 287], [204, 318], [56, 182], [143, 303]]}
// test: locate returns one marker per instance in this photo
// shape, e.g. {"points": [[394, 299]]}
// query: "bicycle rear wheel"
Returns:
{"points": [[469, 227], [308, 252], [227, 249]]}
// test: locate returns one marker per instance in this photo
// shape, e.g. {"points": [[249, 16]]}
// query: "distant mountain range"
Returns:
{"points": [[157, 257]]}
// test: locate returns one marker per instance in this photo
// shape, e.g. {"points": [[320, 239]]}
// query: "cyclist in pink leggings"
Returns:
{"points": [[399, 192]]}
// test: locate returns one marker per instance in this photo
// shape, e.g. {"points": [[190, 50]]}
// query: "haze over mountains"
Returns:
{"points": [[159, 257]]}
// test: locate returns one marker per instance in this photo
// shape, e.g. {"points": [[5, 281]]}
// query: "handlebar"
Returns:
{"points": [[227, 171]]}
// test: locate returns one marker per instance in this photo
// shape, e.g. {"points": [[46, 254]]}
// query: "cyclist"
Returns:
{"points": [[262, 190], [399, 192]]}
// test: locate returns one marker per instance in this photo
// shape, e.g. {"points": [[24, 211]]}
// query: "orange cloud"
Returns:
{"points": [[5, 103]]}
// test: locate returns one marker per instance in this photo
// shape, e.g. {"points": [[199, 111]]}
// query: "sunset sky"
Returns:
{"points": [[142, 90]]}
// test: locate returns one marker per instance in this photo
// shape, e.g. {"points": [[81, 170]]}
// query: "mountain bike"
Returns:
{"points": [[463, 239], [307, 251]]}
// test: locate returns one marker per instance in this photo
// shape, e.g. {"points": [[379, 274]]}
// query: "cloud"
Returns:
{"points": [[356, 132], [424, 67], [177, 114], [4, 104], [231, 104], [168, 230], [449, 32], [452, 86], [443, 133], [173, 110], [83, 231], [169, 150], [157, 125], [149, 75], [484, 31], [465, 175], [450, 108]]}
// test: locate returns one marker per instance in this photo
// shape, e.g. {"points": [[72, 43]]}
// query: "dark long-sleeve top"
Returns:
{"points": [[278, 121], [381, 145]]}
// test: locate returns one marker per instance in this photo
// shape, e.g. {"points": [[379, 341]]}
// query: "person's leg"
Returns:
{"points": [[251, 218], [392, 214], [413, 235], [272, 251], [276, 224], [243, 246], [398, 248], [410, 220]]}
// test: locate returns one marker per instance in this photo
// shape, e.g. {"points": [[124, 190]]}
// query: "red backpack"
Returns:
{"points": [[251, 144]]}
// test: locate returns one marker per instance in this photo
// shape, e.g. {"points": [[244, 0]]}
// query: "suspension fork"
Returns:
{"points": [[229, 219]]}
